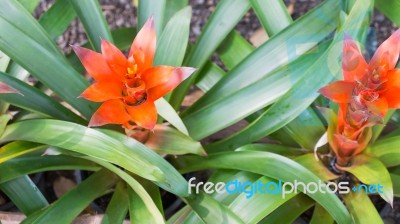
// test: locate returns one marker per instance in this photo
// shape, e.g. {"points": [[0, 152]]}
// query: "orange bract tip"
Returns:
{"points": [[110, 112], [149, 23], [354, 66], [387, 53], [95, 64], [339, 91], [144, 46], [162, 79], [115, 59]]}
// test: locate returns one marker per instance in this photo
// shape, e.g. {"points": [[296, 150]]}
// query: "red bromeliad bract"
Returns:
{"points": [[364, 96], [129, 86]]}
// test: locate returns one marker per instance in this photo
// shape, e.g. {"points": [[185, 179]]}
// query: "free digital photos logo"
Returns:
{"points": [[279, 187]]}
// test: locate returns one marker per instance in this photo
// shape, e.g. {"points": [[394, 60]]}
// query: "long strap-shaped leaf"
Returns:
{"points": [[273, 15], [386, 150], [154, 8], [25, 165], [118, 206], [249, 99], [112, 147], [92, 18], [57, 18], [75, 200], [307, 127], [34, 100], [270, 165], [305, 91], [24, 194], [277, 51], [25, 41], [226, 15], [143, 201]]}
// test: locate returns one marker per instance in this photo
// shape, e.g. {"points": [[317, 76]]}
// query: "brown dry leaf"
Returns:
{"points": [[258, 37], [11, 217], [192, 97], [62, 185], [290, 8]]}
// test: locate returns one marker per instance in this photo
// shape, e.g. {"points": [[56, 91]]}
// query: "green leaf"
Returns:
{"points": [[211, 211], [386, 150], [219, 114], [92, 18], [390, 8], [304, 91], [29, 164], [234, 49], [154, 8], [273, 16], [225, 16], [370, 170], [270, 165], [167, 140], [377, 129], [137, 211], [258, 206], [17, 148], [172, 7], [174, 182], [274, 53], [209, 75], [361, 208], [173, 40], [316, 167], [4, 60], [396, 184], [38, 54], [84, 140], [117, 209], [34, 100], [57, 18], [274, 148], [4, 119], [291, 210], [29, 5], [143, 199], [123, 37], [305, 129], [228, 176], [24, 194], [168, 113], [320, 215], [76, 200], [13, 13], [181, 216]]}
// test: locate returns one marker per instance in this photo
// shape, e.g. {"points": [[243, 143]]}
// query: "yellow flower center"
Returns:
{"points": [[134, 89]]}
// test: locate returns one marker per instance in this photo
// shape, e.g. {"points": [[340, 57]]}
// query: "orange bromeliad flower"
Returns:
{"points": [[375, 85], [129, 86], [364, 96]]}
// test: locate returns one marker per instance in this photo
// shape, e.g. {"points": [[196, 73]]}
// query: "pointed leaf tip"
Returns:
{"points": [[5, 88]]}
